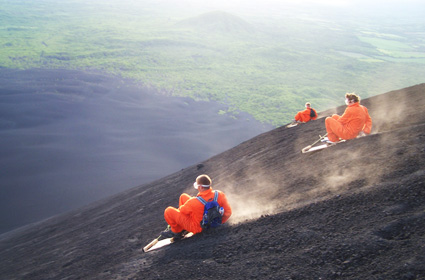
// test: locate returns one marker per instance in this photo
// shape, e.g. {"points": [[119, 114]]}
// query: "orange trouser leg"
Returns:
{"points": [[298, 117], [183, 198], [334, 128], [173, 217], [177, 220]]}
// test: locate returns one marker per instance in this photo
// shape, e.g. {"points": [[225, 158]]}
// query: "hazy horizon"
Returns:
{"points": [[271, 6]]}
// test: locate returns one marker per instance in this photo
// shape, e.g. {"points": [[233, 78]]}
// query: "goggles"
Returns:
{"points": [[196, 185]]}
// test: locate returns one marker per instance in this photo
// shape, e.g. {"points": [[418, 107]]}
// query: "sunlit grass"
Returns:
{"points": [[268, 71]]}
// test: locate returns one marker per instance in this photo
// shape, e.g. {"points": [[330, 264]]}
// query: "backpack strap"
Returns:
{"points": [[215, 196], [203, 200]]}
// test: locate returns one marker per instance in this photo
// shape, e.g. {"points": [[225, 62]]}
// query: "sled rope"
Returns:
{"points": [[309, 146]]}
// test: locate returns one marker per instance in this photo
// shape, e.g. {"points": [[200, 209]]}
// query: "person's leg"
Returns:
{"points": [[172, 217], [179, 222], [334, 129], [183, 198], [298, 117]]}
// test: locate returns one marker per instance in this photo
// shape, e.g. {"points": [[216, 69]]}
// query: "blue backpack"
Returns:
{"points": [[212, 212], [312, 113]]}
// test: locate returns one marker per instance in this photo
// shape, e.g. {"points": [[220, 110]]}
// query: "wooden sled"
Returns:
{"points": [[309, 149], [157, 243], [312, 148], [293, 124]]}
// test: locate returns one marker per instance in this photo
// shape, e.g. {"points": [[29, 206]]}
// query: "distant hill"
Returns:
{"points": [[266, 59], [217, 21], [352, 211]]}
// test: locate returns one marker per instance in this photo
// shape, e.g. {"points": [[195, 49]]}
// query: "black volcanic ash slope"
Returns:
{"points": [[353, 211]]}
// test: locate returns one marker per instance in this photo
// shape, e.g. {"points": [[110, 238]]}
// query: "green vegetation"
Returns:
{"points": [[268, 67]]}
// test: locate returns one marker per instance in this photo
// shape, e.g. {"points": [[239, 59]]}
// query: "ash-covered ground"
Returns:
{"points": [[352, 211], [69, 138]]}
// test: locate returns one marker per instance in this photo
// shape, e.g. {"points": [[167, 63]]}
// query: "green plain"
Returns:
{"points": [[266, 66]]}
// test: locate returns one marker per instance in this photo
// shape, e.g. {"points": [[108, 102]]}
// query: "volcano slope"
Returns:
{"points": [[352, 211]]}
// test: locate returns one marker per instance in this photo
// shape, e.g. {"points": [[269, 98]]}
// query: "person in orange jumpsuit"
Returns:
{"points": [[355, 120], [189, 215], [306, 115]]}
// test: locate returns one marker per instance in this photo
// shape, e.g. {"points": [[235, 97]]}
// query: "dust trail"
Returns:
{"points": [[248, 208], [252, 199], [383, 110], [254, 191], [260, 194]]}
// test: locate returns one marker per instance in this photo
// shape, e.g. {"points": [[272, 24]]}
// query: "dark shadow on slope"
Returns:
{"points": [[361, 217], [69, 138]]}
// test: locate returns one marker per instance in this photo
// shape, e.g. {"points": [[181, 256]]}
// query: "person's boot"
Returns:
{"points": [[168, 233]]}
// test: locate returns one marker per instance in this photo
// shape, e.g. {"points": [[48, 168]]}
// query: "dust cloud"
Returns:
{"points": [[255, 189], [250, 197], [259, 195], [384, 109]]}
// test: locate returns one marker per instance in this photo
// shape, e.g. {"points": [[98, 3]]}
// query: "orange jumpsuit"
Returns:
{"points": [[304, 116], [190, 212], [356, 118]]}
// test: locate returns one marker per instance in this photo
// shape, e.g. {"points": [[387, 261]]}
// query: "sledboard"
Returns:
{"points": [[291, 125], [309, 149], [156, 243], [294, 124]]}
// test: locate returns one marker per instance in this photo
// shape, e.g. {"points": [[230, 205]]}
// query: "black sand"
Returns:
{"points": [[68, 138], [352, 211]]}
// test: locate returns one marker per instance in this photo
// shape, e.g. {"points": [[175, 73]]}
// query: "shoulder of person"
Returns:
{"points": [[221, 193]]}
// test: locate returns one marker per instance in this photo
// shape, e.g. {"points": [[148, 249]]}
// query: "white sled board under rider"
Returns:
{"points": [[166, 242], [294, 124], [320, 147]]}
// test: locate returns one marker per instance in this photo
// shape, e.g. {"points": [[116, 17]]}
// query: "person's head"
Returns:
{"points": [[202, 182], [351, 98], [308, 105]]}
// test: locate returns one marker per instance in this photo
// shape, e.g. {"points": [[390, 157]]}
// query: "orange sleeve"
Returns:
{"points": [[368, 125], [347, 116], [336, 117], [222, 200], [303, 116], [187, 207], [188, 216]]}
